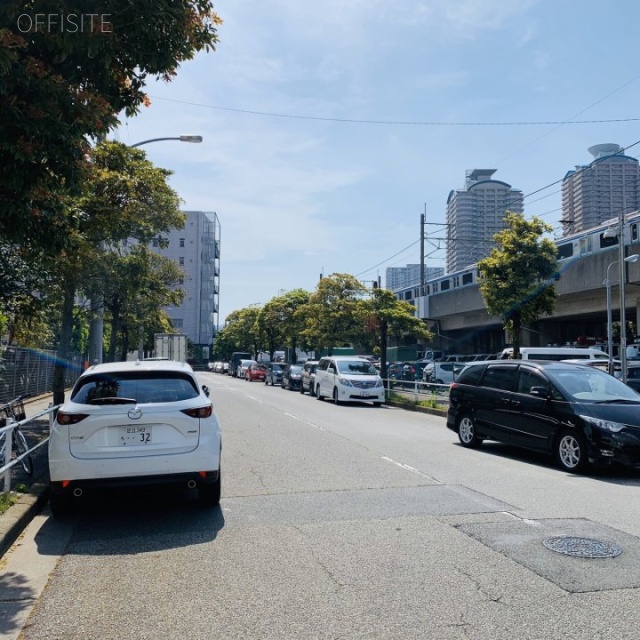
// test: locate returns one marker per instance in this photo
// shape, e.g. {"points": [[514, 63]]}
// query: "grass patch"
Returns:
{"points": [[7, 500], [429, 403]]}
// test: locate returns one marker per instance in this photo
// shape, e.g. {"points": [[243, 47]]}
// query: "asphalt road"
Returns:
{"points": [[338, 522]]}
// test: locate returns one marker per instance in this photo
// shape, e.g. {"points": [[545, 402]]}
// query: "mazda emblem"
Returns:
{"points": [[135, 414]]}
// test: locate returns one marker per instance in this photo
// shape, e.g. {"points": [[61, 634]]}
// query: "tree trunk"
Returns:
{"points": [[516, 326], [64, 344], [114, 308]]}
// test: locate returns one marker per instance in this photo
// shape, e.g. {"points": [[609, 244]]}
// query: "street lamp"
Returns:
{"points": [[182, 138], [632, 258], [96, 326]]}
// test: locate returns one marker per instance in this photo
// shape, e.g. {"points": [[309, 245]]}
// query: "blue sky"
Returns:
{"points": [[308, 158]]}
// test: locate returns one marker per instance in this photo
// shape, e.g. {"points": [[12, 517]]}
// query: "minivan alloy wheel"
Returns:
{"points": [[467, 433], [570, 452]]}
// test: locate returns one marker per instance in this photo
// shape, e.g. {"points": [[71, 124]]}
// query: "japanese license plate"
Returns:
{"points": [[135, 435]]}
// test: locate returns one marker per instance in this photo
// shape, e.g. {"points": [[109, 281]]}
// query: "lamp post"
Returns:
{"points": [[632, 258], [182, 138], [96, 326]]}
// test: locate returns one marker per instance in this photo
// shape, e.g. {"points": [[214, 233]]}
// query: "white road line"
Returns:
{"points": [[406, 467], [311, 424]]}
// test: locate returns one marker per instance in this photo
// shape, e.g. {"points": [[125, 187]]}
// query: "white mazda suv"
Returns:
{"points": [[131, 424]]}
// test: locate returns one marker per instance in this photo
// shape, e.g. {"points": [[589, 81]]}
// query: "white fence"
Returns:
{"points": [[7, 432]]}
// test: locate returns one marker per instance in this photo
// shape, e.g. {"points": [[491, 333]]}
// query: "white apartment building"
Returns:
{"points": [[598, 191], [475, 214], [402, 277], [196, 249]]}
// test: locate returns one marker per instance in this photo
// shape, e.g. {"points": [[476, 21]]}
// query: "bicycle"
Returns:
{"points": [[15, 409]]}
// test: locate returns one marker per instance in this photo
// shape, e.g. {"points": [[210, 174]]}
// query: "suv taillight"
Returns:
{"points": [[199, 412], [65, 418]]}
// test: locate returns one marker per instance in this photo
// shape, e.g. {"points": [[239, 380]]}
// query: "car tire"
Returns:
{"points": [[336, 399], [61, 505], [571, 451], [318, 396], [209, 494], [311, 391], [378, 404], [467, 433]]}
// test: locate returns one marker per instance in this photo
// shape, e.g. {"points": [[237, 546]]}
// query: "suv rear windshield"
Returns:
{"points": [[141, 387]]}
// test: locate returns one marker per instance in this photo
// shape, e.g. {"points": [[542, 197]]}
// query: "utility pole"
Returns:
{"points": [[423, 216]]}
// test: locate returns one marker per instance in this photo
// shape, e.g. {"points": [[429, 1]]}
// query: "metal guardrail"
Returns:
{"points": [[418, 389], [8, 463]]}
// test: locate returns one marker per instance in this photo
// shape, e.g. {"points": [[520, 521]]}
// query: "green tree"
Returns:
{"points": [[516, 277], [334, 315], [61, 88], [242, 330], [140, 283], [126, 198], [386, 315], [223, 345], [280, 323]]}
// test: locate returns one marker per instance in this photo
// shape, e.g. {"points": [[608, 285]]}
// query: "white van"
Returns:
{"points": [[554, 353], [345, 378]]}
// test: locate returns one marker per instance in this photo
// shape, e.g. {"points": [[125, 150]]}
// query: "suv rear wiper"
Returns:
{"points": [[113, 400]]}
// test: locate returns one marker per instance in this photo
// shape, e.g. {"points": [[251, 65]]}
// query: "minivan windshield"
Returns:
{"points": [[592, 385], [357, 367]]}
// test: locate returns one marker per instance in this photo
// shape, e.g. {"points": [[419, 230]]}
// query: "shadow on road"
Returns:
{"points": [[613, 474], [141, 521]]}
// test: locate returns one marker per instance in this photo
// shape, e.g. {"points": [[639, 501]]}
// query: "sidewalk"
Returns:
{"points": [[15, 519]]}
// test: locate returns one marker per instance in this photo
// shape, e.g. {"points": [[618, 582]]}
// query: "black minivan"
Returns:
{"points": [[578, 413]]}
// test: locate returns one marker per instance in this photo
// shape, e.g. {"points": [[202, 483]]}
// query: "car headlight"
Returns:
{"points": [[605, 425], [345, 382], [379, 383]]}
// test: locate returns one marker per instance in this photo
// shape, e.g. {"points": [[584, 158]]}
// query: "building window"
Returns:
{"points": [[181, 261], [182, 242], [177, 323]]}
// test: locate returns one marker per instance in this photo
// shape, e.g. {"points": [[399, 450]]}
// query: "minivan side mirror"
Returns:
{"points": [[539, 392]]}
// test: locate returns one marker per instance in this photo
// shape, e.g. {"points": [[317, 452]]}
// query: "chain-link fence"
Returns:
{"points": [[27, 372]]}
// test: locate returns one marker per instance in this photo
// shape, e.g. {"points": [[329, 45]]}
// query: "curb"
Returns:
{"points": [[15, 519], [412, 407]]}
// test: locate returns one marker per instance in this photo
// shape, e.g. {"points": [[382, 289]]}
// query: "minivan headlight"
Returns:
{"points": [[345, 382], [605, 425], [379, 382]]}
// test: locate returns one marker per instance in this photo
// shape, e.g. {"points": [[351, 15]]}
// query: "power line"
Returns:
{"points": [[421, 123]]}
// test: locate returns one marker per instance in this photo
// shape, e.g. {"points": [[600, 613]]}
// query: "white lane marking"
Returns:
{"points": [[311, 424], [406, 467]]}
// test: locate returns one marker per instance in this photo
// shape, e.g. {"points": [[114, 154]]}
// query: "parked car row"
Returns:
{"points": [[340, 378]]}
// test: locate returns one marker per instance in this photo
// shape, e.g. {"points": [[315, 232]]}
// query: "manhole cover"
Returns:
{"points": [[582, 547]]}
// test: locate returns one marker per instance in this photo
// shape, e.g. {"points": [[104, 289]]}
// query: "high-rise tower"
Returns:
{"points": [[475, 214], [598, 191]]}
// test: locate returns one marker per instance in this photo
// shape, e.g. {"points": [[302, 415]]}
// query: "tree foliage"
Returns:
{"points": [[127, 198], [516, 277], [242, 330], [60, 88], [279, 323], [386, 316], [334, 314]]}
